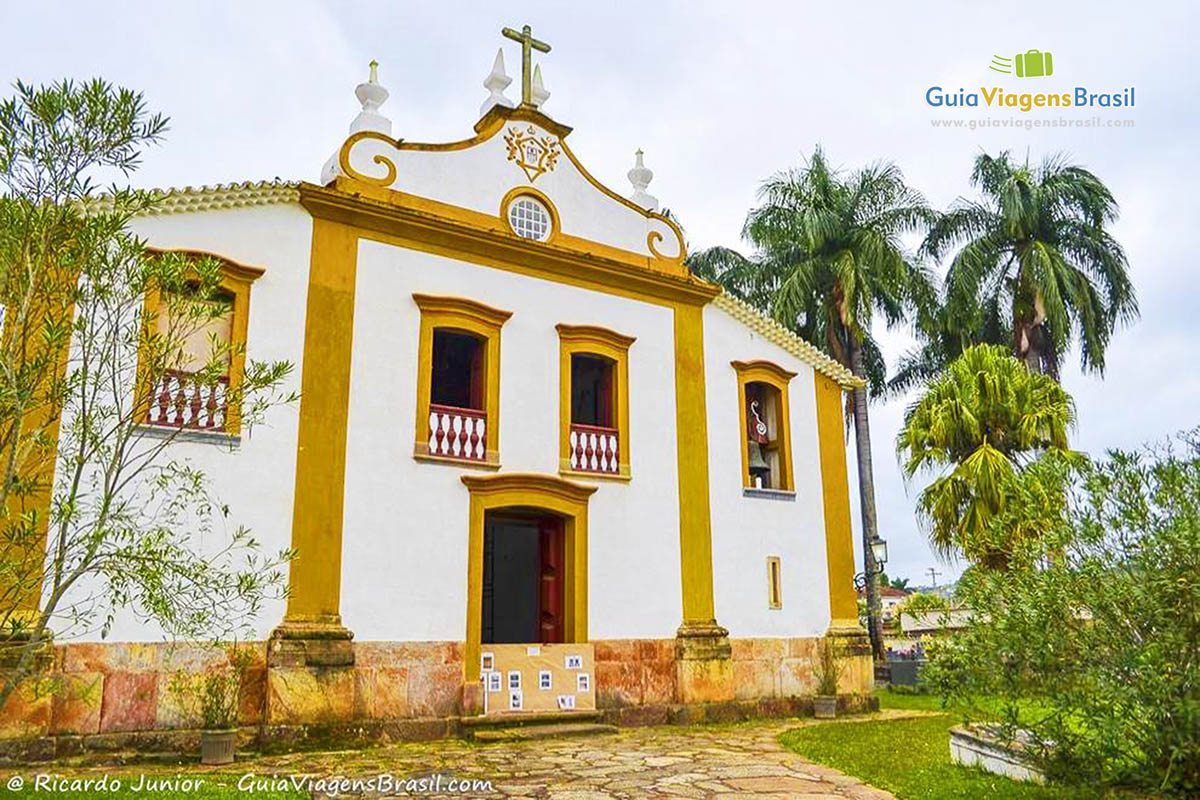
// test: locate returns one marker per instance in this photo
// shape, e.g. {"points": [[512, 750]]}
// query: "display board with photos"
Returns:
{"points": [[538, 678]]}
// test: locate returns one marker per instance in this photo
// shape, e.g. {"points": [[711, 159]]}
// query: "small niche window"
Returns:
{"points": [[762, 435], [458, 394], [529, 218], [774, 584], [594, 408], [764, 426]]}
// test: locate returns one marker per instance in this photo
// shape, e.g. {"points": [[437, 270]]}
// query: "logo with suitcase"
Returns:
{"points": [[1030, 64]]}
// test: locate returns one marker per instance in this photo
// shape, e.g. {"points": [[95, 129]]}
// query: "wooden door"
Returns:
{"points": [[553, 572]]}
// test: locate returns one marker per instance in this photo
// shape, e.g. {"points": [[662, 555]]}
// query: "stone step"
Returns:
{"points": [[543, 731], [531, 718]]}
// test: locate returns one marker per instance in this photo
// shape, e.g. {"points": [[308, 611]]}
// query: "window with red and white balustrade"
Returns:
{"points": [[457, 415], [594, 437], [189, 396]]}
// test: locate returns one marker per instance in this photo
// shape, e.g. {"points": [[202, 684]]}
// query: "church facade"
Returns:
{"points": [[524, 428]]}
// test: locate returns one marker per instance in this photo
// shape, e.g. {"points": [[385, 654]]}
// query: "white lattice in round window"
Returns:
{"points": [[529, 218]]}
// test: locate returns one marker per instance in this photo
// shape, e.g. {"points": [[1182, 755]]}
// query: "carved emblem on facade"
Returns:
{"points": [[532, 153]]}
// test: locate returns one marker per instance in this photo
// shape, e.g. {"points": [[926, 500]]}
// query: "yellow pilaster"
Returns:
{"points": [[22, 584], [315, 578], [835, 489], [691, 423]]}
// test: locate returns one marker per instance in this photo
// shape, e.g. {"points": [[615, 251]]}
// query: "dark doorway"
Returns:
{"points": [[523, 579], [457, 379]]}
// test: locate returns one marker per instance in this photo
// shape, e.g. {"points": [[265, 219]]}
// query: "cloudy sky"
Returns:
{"points": [[719, 95]]}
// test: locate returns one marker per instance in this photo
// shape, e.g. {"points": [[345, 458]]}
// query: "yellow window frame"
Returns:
{"points": [[774, 583], [595, 341], [776, 376], [236, 280], [483, 321]]}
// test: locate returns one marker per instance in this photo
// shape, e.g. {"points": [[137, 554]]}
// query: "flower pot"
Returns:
{"points": [[825, 706], [216, 747]]}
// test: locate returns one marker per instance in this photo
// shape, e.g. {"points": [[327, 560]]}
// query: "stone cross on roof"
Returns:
{"points": [[525, 37]]}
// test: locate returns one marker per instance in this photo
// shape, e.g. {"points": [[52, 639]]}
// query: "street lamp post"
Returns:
{"points": [[873, 562]]}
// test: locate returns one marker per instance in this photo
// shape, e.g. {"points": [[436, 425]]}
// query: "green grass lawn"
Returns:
{"points": [[911, 757]]}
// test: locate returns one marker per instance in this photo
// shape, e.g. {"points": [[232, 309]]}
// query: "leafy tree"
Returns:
{"points": [[1034, 269], [95, 515], [899, 583], [1088, 640], [976, 426], [828, 258]]}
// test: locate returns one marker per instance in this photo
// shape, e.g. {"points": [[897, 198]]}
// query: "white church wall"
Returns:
{"points": [[256, 478], [746, 530], [405, 537], [478, 177]]}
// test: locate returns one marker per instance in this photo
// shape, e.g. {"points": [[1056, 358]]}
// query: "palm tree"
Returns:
{"points": [[828, 257], [980, 422], [1035, 267]]}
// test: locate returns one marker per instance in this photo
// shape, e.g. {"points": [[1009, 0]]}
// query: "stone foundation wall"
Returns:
{"points": [[639, 672], [115, 688], [389, 680], [114, 696]]}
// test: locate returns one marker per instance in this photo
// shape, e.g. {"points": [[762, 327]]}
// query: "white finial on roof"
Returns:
{"points": [[372, 96], [496, 83], [640, 176], [537, 89]]}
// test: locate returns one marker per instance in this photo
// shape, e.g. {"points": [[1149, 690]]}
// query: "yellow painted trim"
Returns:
{"points": [[491, 122], [488, 126], [593, 340], [778, 377], [459, 313], [317, 514], [528, 491], [236, 279], [835, 493], [431, 226], [651, 238], [691, 432], [518, 191], [23, 583]]}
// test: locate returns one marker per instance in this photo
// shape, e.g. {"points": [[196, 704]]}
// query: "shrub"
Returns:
{"points": [[213, 696], [829, 666], [1088, 638]]}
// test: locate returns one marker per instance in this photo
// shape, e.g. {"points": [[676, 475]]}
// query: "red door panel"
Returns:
{"points": [[550, 599]]}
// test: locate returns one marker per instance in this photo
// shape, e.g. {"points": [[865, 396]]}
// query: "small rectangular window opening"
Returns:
{"points": [[774, 591], [592, 391], [458, 370]]}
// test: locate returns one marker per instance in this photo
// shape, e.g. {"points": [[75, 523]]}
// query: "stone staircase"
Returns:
{"points": [[534, 725]]}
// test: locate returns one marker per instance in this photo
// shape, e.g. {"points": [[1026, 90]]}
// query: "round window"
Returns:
{"points": [[529, 218]]}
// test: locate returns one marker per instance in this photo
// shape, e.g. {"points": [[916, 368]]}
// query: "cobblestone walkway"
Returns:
{"points": [[728, 762]]}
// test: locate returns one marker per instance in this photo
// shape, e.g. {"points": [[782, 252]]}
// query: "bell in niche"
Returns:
{"points": [[760, 470]]}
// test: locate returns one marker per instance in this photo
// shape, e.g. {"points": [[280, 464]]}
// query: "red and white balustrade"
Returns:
{"points": [[183, 401], [457, 432], [594, 449]]}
